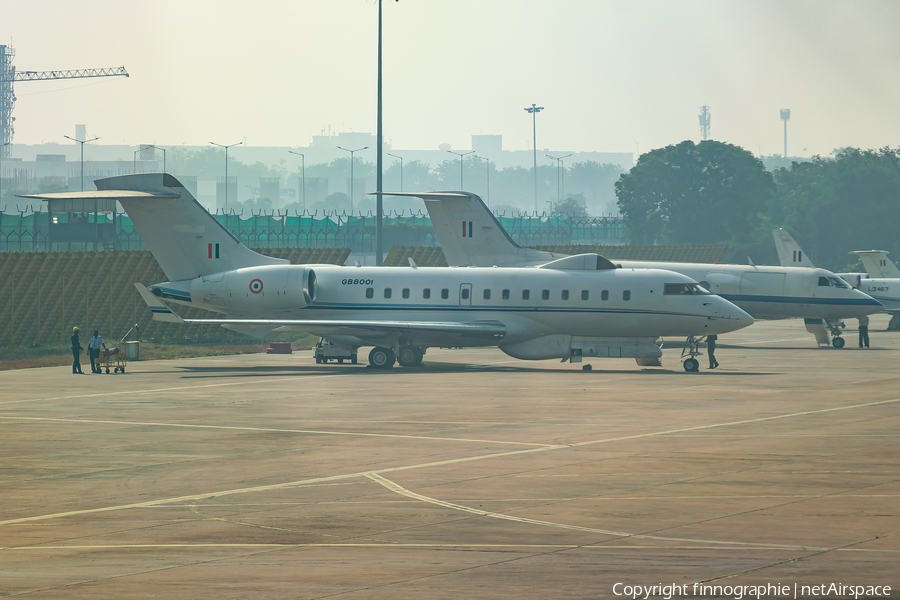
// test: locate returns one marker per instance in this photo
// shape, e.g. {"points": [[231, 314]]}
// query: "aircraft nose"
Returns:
{"points": [[865, 304], [732, 317]]}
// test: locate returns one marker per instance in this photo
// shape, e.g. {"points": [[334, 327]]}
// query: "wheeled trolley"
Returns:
{"points": [[114, 357]]}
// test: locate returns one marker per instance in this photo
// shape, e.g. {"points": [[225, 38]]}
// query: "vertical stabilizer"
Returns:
{"points": [[185, 239], [877, 264], [470, 235], [789, 252]]}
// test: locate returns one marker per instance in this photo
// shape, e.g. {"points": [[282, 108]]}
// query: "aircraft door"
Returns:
{"points": [[465, 294]]}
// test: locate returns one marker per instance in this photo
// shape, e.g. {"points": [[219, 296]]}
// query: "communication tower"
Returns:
{"points": [[8, 76], [704, 122], [785, 116]]}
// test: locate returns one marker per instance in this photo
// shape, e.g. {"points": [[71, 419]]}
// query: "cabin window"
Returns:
{"points": [[604, 295], [445, 293], [487, 294], [626, 295], [526, 294], [426, 293], [565, 294], [370, 292], [464, 293], [684, 289], [545, 295], [584, 295], [506, 294], [387, 292], [406, 292]]}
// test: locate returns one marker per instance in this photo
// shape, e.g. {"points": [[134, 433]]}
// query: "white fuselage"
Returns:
{"points": [[530, 303], [775, 292], [884, 289]]}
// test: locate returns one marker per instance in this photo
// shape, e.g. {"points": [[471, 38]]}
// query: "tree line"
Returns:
{"points": [[713, 192]]}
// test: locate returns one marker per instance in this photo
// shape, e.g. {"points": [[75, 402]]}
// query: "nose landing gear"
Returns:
{"points": [[691, 349]]}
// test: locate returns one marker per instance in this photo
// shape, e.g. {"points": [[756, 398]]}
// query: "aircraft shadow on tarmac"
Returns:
{"points": [[195, 372], [799, 348]]}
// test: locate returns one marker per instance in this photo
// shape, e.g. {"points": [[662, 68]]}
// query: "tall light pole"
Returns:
{"points": [[460, 155], [785, 116], [488, 177], [352, 152], [401, 168], [303, 162], [163, 151], [134, 161], [82, 155], [226, 171], [560, 186], [534, 110], [1, 169]]}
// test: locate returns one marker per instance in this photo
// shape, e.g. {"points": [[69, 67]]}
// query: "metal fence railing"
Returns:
{"points": [[71, 232]]}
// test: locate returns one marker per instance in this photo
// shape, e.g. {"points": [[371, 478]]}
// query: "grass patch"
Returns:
{"points": [[34, 356]]}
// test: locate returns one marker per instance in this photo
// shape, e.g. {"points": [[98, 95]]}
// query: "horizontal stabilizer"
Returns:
{"points": [[160, 311], [103, 195]]}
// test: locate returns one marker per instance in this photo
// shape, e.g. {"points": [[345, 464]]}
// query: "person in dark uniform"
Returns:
{"points": [[76, 350], [711, 350], [864, 331]]}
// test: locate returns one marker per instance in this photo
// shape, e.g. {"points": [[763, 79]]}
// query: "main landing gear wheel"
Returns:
{"points": [[410, 356], [838, 342], [381, 358], [691, 365]]}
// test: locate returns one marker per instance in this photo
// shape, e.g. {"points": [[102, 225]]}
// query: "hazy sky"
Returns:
{"points": [[610, 74]]}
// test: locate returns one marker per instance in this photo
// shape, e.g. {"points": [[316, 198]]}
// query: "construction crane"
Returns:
{"points": [[8, 77]]}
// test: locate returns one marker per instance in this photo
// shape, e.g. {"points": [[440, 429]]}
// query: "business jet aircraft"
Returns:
{"points": [[577, 306], [881, 279], [470, 235]]}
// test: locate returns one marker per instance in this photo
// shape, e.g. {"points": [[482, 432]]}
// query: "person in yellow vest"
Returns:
{"points": [[76, 350]]}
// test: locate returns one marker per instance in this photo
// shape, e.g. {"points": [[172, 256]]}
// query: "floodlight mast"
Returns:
{"points": [[534, 110], [226, 172], [303, 175], [82, 142], [352, 152]]}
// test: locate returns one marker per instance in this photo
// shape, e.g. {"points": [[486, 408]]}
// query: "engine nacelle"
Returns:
{"points": [[574, 347], [265, 288]]}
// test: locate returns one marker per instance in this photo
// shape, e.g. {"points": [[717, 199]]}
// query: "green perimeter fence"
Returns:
{"points": [[76, 232]]}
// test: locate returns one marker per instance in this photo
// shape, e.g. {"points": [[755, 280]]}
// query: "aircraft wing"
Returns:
{"points": [[366, 328]]}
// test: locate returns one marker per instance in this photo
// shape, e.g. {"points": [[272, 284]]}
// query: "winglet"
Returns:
{"points": [[160, 311]]}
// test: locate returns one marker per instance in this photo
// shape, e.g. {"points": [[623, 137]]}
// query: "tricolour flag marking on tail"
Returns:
{"points": [[467, 228], [210, 250]]}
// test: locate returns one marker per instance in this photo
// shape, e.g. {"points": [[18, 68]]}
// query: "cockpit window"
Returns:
{"points": [[832, 282], [684, 289]]}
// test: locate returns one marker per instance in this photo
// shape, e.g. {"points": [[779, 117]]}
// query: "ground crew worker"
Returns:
{"points": [[864, 331], [711, 350], [94, 345], [76, 350]]}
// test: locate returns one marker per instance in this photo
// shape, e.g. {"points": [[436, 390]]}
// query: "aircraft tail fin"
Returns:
{"points": [[877, 264], [470, 235], [789, 252], [185, 239]]}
